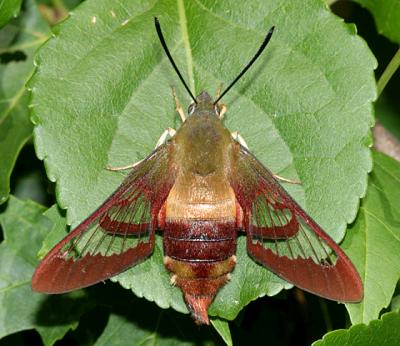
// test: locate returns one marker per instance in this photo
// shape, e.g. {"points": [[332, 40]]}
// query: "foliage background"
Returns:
{"points": [[305, 112]]}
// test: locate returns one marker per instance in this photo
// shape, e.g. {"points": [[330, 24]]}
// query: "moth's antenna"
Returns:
{"points": [[260, 50], [164, 45]]}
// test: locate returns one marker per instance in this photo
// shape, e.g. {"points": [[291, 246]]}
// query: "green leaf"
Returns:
{"points": [[222, 327], [8, 9], [15, 127], [382, 332], [151, 326], [387, 16], [121, 331], [373, 241], [388, 114], [101, 96], [24, 227], [57, 231], [395, 303]]}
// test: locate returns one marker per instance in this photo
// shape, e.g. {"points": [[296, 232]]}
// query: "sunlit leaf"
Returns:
{"points": [[382, 332], [373, 242], [102, 96]]}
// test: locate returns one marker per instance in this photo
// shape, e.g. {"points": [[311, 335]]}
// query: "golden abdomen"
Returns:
{"points": [[201, 198]]}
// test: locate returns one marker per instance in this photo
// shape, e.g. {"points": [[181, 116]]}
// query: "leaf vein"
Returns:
{"points": [[186, 41]]}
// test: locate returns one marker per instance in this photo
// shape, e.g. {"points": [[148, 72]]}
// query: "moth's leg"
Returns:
{"points": [[223, 110], [221, 106], [178, 106], [286, 180], [122, 168], [163, 138], [236, 136]]}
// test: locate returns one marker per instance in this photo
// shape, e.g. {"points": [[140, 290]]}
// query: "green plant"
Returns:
{"points": [[99, 94]]}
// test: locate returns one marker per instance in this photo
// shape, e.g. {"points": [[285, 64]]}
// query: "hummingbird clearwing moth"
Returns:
{"points": [[200, 188]]}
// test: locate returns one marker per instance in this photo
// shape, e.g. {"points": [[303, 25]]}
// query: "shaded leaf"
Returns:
{"points": [[122, 331], [222, 327], [134, 321], [373, 241], [395, 303], [387, 16], [15, 70], [383, 332], [101, 97], [8, 9], [388, 114], [24, 227]]}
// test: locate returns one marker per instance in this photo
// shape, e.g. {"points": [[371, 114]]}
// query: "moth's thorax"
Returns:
{"points": [[202, 145]]}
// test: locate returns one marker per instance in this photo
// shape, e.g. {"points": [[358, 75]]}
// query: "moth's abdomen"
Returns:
{"points": [[200, 241], [200, 254]]}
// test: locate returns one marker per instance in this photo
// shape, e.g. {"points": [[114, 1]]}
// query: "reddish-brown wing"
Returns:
{"points": [[119, 234], [282, 237]]}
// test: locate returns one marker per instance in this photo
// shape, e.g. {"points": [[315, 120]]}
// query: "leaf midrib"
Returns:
{"points": [[186, 41]]}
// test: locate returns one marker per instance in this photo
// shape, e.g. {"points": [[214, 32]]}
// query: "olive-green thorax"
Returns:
{"points": [[203, 144]]}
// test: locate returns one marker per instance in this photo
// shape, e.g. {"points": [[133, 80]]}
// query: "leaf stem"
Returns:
{"points": [[325, 314], [388, 73]]}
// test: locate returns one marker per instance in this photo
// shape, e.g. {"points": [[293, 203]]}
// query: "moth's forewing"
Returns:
{"points": [[119, 234], [282, 237]]}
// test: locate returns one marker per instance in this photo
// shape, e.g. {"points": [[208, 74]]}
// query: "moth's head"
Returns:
{"points": [[204, 105]]}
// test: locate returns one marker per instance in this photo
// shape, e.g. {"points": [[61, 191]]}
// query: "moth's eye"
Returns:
{"points": [[191, 108]]}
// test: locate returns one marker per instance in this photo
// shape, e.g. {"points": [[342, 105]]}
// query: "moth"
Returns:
{"points": [[200, 188]]}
